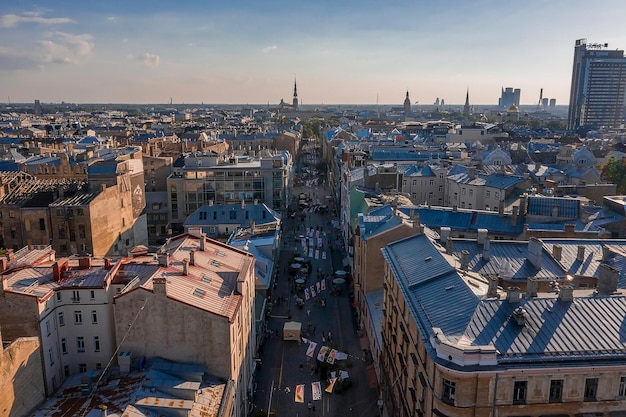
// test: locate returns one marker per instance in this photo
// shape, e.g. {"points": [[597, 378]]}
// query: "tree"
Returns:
{"points": [[615, 172]]}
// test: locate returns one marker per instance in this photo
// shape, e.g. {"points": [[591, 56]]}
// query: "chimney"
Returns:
{"points": [[10, 255], [455, 208], [519, 314], [203, 242], [514, 216], [501, 208], [522, 204], [566, 294], [3, 264], [192, 257], [513, 294], [210, 203], [535, 252], [449, 246], [505, 269], [256, 201], [471, 173], [555, 211], [492, 291], [580, 254], [532, 287], [84, 262], [557, 251], [606, 253], [186, 266], [487, 249], [464, 259], [569, 229], [164, 259], [103, 187], [60, 266], [481, 236], [159, 286], [607, 279], [444, 234]]}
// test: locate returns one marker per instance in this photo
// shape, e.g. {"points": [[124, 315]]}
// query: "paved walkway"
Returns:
{"points": [[284, 364]]}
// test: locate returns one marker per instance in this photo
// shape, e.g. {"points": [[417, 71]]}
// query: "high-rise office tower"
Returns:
{"points": [[509, 97], [598, 86]]}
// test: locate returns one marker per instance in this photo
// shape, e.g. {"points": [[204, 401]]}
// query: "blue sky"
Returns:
{"points": [[340, 51]]}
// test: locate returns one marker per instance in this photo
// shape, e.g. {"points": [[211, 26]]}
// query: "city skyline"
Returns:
{"points": [[248, 52]]}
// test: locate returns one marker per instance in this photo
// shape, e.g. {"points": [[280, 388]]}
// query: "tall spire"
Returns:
{"points": [[295, 94], [407, 104], [466, 107]]}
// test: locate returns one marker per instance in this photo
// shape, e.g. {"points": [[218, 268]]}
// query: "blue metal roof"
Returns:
{"points": [[403, 154], [543, 206]]}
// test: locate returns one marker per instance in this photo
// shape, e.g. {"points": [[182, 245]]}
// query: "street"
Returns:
{"points": [[285, 364]]}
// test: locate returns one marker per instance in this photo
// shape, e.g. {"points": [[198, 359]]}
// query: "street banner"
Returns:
{"points": [[310, 252], [306, 294], [311, 349], [317, 253], [323, 284], [331, 356], [317, 233], [312, 289], [323, 254], [321, 355], [300, 393], [317, 284], [316, 388], [330, 387], [319, 242], [303, 241]]}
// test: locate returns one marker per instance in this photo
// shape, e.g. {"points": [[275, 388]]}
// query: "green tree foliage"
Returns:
{"points": [[311, 128], [615, 172]]}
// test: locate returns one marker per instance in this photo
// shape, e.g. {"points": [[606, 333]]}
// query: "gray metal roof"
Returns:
{"points": [[554, 330]]}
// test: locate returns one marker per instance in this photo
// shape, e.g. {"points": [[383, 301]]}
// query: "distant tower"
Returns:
{"points": [[407, 104], [295, 95], [466, 107], [37, 108]]}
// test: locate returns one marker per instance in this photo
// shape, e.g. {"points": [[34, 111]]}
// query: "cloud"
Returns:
{"points": [[65, 48], [11, 20], [112, 19], [150, 60], [56, 48], [269, 49]]}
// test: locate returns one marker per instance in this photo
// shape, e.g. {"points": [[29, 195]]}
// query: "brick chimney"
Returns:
{"points": [[566, 294], [513, 294], [164, 259], [159, 286], [532, 287], [514, 216], [487, 249], [464, 259], [606, 253], [580, 254], [84, 262], [192, 257], [535, 252], [492, 291], [60, 266], [3, 264], [203, 242], [557, 252]]}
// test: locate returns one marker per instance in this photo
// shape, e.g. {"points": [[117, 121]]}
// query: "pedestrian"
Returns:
{"points": [[330, 337], [323, 338], [312, 368], [310, 406]]}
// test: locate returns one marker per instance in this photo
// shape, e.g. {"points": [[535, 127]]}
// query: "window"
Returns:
{"points": [[42, 224], [76, 296], [449, 389], [471, 191], [488, 194], [82, 368], [414, 183], [556, 390], [497, 195], [591, 389], [48, 329], [61, 319], [233, 215], [66, 370], [51, 356], [82, 233], [431, 183], [64, 346], [98, 366], [622, 387], [59, 296], [80, 344], [96, 344], [203, 215], [92, 294], [78, 317], [519, 392], [94, 317], [463, 192]]}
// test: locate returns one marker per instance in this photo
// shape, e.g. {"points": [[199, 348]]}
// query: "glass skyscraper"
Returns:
{"points": [[598, 86]]}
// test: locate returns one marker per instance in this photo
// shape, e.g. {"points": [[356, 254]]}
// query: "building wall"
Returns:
{"points": [[156, 171], [21, 380]]}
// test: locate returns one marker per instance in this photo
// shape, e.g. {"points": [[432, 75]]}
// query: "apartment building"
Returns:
{"points": [[467, 189], [456, 344], [209, 176], [193, 303], [65, 303]]}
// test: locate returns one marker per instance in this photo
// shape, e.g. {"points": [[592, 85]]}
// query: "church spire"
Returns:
{"points": [[407, 104], [295, 94], [466, 107]]}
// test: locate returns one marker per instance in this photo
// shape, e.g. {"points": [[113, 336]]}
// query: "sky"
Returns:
{"points": [[339, 51]]}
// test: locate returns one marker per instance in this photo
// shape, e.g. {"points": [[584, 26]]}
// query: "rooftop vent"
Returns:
{"points": [[519, 314]]}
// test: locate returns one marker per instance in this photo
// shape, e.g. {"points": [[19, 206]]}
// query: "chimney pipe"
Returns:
{"points": [[519, 314], [580, 255], [464, 259], [444, 234], [186, 266]]}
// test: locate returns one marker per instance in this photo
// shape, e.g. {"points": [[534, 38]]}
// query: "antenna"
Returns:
{"points": [[540, 100]]}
